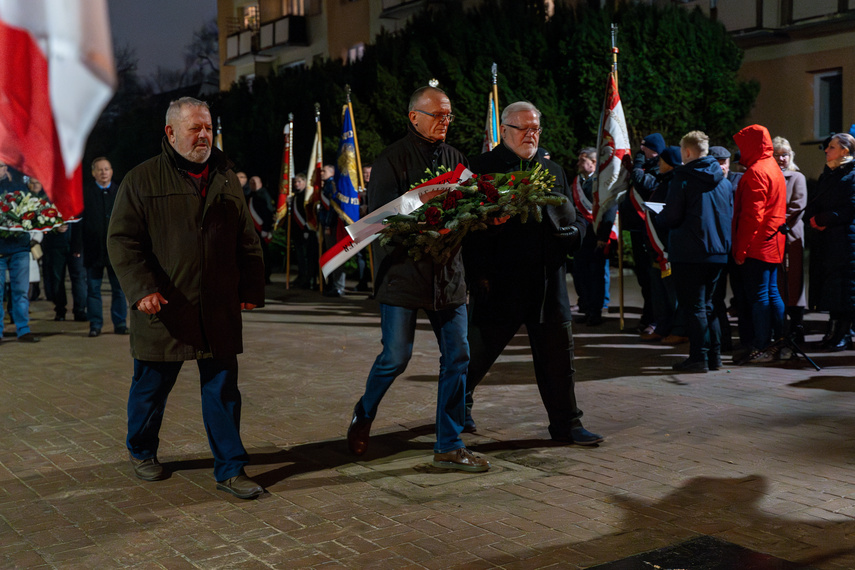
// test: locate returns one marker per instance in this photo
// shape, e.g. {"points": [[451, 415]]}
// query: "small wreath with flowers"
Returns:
{"points": [[439, 225]]}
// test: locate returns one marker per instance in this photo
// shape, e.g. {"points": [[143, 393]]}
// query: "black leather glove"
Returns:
{"points": [[570, 237]]}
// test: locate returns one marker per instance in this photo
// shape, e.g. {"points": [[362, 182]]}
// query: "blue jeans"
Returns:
{"points": [[398, 327], [18, 265], [118, 305], [221, 405], [764, 308]]}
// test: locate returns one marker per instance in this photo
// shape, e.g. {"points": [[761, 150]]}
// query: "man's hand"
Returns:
{"points": [[626, 162], [247, 306], [150, 304]]}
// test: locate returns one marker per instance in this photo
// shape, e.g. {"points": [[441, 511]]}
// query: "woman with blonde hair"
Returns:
{"points": [[791, 282]]}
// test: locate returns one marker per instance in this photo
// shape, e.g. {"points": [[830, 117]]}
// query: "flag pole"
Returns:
{"points": [[218, 140], [359, 174], [320, 157], [289, 142], [614, 31], [495, 71]]}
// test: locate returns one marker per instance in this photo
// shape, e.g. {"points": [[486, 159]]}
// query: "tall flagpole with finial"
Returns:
{"points": [[495, 71], [289, 142], [615, 51], [319, 160]]}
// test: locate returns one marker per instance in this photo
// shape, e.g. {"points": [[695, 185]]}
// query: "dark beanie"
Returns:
{"points": [[654, 142], [672, 157]]}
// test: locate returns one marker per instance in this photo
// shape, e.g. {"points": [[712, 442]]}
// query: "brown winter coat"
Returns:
{"points": [[201, 254]]}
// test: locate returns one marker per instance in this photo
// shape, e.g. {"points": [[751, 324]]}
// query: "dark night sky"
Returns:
{"points": [[158, 29]]}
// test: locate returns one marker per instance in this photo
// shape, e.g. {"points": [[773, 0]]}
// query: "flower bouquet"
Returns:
{"points": [[22, 212], [438, 227]]}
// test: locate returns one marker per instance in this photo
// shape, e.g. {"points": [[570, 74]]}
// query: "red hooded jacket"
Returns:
{"points": [[760, 203]]}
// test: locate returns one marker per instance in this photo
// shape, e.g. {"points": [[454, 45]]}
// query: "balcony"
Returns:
{"points": [[285, 32], [247, 45]]}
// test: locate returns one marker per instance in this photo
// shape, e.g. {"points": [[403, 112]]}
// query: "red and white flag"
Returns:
{"points": [[286, 174], [313, 189], [368, 228], [611, 179], [56, 75]]}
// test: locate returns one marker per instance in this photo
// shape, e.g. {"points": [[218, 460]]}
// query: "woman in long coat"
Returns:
{"points": [[831, 214], [791, 278]]}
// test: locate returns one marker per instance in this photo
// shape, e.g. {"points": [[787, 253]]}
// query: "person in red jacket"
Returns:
{"points": [[759, 210]]}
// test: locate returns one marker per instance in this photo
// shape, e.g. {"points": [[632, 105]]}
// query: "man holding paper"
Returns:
{"points": [[403, 286]]}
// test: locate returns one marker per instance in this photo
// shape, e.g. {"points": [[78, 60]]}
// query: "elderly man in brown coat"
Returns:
{"points": [[183, 245]]}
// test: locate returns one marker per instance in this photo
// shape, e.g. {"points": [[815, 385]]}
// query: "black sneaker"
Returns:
{"points": [[690, 365]]}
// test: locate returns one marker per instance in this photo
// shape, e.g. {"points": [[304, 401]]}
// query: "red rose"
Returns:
{"points": [[10, 197], [487, 177], [456, 194], [50, 213], [433, 215], [449, 203], [525, 181], [492, 194], [5, 208], [28, 216]]}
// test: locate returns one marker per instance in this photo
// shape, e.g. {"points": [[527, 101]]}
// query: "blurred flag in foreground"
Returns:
{"points": [[56, 75]]}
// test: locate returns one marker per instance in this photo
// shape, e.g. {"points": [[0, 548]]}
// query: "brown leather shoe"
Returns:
{"points": [[674, 339], [241, 487], [461, 459], [148, 469], [357, 434]]}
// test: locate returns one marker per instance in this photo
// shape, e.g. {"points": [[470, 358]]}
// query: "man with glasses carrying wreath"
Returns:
{"points": [[403, 286], [517, 276]]}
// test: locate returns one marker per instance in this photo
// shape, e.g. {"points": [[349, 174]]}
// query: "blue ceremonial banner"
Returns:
{"points": [[346, 199]]}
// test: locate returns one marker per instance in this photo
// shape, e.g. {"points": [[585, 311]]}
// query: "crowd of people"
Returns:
{"points": [[184, 242], [713, 223]]}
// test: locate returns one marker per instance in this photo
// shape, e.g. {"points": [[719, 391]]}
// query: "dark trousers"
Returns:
{"points": [[118, 304], [695, 284], [54, 264], [552, 353], [221, 403], [641, 263]]}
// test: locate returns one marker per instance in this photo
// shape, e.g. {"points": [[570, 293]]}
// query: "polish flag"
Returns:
{"points": [[56, 75], [611, 179]]}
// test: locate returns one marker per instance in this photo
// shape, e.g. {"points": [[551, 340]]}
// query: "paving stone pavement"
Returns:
{"points": [[760, 456]]}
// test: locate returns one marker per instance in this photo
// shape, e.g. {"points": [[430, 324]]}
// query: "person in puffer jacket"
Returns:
{"points": [[759, 210], [698, 210]]}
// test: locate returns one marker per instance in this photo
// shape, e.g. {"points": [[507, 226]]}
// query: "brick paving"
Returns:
{"points": [[757, 456]]}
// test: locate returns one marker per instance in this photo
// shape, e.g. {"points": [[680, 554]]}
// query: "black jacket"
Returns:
{"points": [[699, 212], [517, 270], [401, 281], [91, 239], [832, 252], [644, 178]]}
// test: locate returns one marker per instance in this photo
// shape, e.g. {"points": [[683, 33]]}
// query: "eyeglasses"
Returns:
{"points": [[449, 117], [525, 131]]}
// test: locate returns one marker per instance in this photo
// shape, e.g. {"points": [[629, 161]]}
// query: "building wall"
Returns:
{"points": [[786, 103], [348, 24]]}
